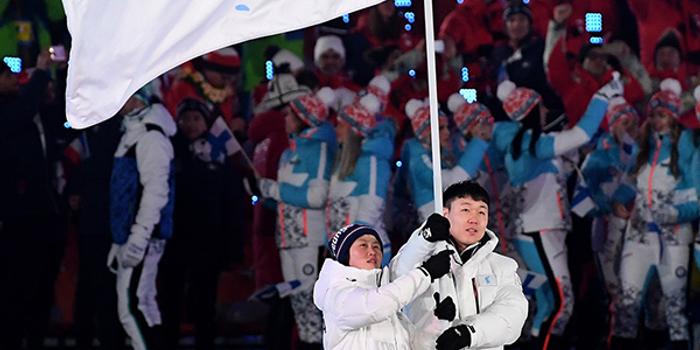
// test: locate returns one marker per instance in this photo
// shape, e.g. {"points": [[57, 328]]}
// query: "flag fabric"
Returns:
{"points": [[582, 203], [119, 46]]}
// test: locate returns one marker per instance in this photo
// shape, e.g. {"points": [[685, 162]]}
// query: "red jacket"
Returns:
{"points": [[576, 86], [468, 26], [336, 81]]}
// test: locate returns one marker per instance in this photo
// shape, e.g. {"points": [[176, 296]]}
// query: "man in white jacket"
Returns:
{"points": [[141, 214], [480, 304], [361, 309]]}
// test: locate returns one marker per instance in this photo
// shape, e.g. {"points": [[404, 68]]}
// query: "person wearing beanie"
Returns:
{"points": [[474, 120], [483, 285], [460, 161], [361, 303], [213, 78], [362, 170], [603, 171], [142, 199], [329, 59], [301, 191], [535, 171], [206, 230], [664, 202]]}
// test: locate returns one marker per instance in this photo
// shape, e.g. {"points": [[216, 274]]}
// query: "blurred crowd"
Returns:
{"points": [[578, 117]]}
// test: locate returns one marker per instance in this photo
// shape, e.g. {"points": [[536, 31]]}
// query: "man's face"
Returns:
{"points": [[366, 253], [595, 62], [667, 58], [517, 26], [331, 62], [220, 80], [8, 84], [468, 219]]}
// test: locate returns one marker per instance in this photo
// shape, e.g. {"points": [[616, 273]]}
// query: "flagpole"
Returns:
{"points": [[432, 93]]}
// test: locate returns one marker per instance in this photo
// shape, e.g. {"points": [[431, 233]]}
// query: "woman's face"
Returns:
{"points": [[444, 133], [366, 253], [626, 125], [662, 121]]}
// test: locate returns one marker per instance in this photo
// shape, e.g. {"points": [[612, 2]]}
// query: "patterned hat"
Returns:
{"points": [[667, 99], [419, 114], [361, 115], [380, 86], [517, 101], [280, 91], [468, 115], [313, 109], [696, 94], [619, 109], [342, 240]]}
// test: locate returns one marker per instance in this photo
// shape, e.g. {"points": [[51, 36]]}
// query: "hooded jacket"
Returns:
{"points": [[486, 288], [142, 184], [361, 196], [361, 309]]}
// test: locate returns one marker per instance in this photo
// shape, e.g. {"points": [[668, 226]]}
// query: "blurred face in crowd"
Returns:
{"points": [[626, 125], [662, 121], [517, 26], [292, 123], [218, 79], [667, 58], [8, 83], [331, 62], [386, 9], [444, 133], [468, 219], [595, 62], [366, 253], [192, 124]]}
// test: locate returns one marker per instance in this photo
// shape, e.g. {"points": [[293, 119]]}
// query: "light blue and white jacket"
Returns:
{"points": [[538, 179], [361, 196], [303, 180], [420, 170], [606, 168], [654, 189]]}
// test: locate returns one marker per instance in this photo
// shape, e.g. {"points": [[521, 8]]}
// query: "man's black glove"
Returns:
{"points": [[454, 338], [444, 310], [436, 228], [438, 265]]}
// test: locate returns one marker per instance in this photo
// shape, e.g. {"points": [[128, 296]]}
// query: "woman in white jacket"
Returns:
{"points": [[361, 309]]}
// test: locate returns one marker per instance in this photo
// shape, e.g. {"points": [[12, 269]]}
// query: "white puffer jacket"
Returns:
{"points": [[361, 308], [486, 289]]}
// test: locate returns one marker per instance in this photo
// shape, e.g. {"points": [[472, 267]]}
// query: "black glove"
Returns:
{"points": [[444, 310], [438, 265], [436, 228], [454, 338]]}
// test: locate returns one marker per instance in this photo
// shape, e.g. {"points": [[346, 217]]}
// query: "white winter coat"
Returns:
{"points": [[486, 290], [361, 308]]}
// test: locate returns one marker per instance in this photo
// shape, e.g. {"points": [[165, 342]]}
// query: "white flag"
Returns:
{"points": [[119, 46]]}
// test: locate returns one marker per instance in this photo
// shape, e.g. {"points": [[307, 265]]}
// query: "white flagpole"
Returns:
{"points": [[432, 93]]}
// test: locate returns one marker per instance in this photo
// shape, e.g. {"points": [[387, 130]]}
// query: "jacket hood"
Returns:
{"points": [[159, 116], [333, 273]]}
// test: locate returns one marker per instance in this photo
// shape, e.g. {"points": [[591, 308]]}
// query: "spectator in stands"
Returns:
{"points": [[32, 219], [329, 58], [205, 229]]}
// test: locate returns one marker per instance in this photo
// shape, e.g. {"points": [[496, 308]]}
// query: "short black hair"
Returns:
{"points": [[464, 189]]}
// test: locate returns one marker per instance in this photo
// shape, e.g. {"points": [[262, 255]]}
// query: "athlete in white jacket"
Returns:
{"points": [[361, 309], [490, 307]]}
